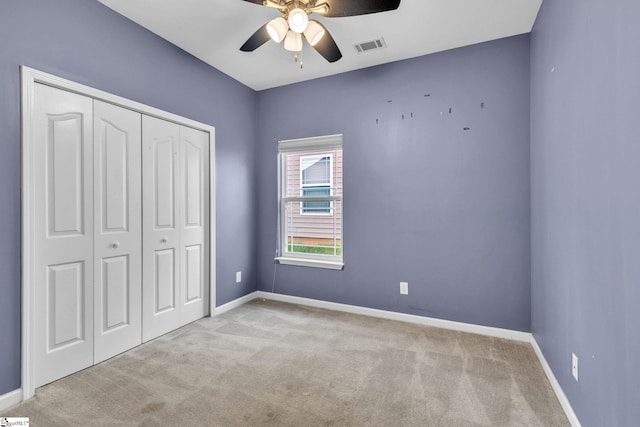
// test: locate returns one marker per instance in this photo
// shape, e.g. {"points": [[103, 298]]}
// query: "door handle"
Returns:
{"points": [[164, 240], [115, 245]]}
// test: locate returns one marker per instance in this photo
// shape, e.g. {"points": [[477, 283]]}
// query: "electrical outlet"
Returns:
{"points": [[404, 288], [238, 276], [574, 365]]}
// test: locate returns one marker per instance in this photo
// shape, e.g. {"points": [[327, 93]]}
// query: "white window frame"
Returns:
{"points": [[307, 147], [305, 186]]}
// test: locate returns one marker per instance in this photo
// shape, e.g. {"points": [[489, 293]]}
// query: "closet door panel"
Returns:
{"points": [[118, 229], [62, 233], [164, 188], [194, 224], [164, 285], [193, 274], [65, 288], [116, 300], [161, 235]]}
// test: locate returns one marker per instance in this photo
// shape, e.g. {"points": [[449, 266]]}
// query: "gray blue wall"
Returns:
{"points": [[88, 43], [585, 220], [425, 201]]}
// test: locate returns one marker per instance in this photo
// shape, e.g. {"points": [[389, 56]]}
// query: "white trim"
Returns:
{"points": [[234, 304], [311, 198], [212, 221], [29, 77], [401, 317], [34, 76], [7, 400], [315, 263], [28, 83], [315, 143], [564, 402]]}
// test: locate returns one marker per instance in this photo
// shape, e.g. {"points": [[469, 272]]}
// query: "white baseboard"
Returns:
{"points": [[233, 304], [402, 317], [7, 400], [564, 402]]}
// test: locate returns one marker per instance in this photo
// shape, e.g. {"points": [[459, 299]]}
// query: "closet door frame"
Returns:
{"points": [[29, 78]]}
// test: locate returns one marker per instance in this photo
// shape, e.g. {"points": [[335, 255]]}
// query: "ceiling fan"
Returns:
{"points": [[295, 22]]}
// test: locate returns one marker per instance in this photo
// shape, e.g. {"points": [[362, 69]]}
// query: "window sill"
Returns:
{"points": [[300, 262]]}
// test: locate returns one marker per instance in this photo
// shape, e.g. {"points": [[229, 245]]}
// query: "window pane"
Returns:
{"points": [[314, 234], [316, 170], [317, 207], [312, 170]]}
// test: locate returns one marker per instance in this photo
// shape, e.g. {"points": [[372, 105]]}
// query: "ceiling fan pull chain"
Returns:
{"points": [[298, 55]]}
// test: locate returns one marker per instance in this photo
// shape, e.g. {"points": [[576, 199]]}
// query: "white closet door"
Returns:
{"points": [[63, 233], [118, 230], [175, 266], [161, 181], [194, 146]]}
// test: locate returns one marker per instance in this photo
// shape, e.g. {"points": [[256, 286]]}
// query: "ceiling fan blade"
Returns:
{"points": [[260, 2], [258, 38], [327, 47], [340, 8]]}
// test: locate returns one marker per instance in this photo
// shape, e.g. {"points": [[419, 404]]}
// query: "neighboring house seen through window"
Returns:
{"points": [[315, 177], [311, 202]]}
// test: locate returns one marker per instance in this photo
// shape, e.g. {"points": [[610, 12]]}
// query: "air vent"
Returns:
{"points": [[372, 45]]}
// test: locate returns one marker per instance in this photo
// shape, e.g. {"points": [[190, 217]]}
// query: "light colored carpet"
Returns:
{"points": [[270, 363]]}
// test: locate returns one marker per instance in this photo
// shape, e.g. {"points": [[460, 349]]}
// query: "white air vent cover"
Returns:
{"points": [[372, 45]]}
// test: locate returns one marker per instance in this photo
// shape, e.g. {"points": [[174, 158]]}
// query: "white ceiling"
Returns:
{"points": [[214, 30]]}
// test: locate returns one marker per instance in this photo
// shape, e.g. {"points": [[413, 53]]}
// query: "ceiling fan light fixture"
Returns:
{"points": [[314, 33], [293, 42], [298, 20], [277, 29]]}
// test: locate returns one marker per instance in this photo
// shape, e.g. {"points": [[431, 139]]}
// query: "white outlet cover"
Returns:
{"points": [[404, 288], [238, 276], [574, 366]]}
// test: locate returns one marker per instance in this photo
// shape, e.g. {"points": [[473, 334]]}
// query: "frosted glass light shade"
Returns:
{"points": [[277, 29], [293, 42], [314, 33], [298, 20]]}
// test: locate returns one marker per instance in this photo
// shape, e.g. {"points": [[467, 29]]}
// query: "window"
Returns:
{"points": [[311, 202], [316, 180]]}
